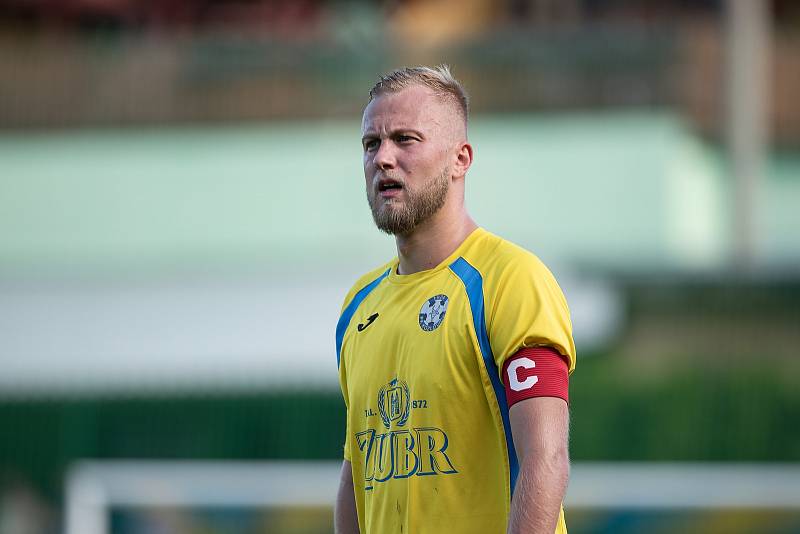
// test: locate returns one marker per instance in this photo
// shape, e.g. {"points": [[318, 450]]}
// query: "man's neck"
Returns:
{"points": [[433, 241]]}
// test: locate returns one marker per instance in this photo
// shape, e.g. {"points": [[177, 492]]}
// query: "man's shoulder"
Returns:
{"points": [[494, 255], [366, 279], [372, 275]]}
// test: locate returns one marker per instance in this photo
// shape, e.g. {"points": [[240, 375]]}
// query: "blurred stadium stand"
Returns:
{"points": [[181, 212], [119, 62]]}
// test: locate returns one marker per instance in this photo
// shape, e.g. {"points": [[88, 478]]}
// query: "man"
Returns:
{"points": [[454, 356]]}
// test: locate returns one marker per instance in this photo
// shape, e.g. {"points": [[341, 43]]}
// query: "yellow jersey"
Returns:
{"points": [[428, 431]]}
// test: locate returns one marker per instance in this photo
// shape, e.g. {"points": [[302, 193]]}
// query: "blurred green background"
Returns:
{"points": [[182, 211]]}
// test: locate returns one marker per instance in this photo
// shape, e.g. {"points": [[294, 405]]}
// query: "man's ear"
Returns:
{"points": [[463, 161]]}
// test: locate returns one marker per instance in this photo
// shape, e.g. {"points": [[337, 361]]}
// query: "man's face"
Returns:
{"points": [[407, 139]]}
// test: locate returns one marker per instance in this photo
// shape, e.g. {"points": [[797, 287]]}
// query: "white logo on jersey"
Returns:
{"points": [[432, 312], [513, 380]]}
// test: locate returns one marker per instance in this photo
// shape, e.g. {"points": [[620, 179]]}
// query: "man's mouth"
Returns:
{"points": [[388, 185], [388, 188]]}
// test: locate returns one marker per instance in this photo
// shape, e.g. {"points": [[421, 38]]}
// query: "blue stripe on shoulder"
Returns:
{"points": [[351, 308], [473, 282]]}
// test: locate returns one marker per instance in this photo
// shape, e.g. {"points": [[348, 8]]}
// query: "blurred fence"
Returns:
{"points": [[629, 404], [124, 78], [295, 497], [741, 416]]}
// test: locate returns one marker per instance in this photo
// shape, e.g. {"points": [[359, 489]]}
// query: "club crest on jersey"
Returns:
{"points": [[432, 312], [394, 401]]}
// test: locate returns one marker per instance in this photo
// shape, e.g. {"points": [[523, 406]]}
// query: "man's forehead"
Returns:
{"points": [[413, 107]]}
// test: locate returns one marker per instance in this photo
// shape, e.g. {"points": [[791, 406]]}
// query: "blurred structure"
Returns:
{"points": [[295, 497], [111, 62], [181, 212]]}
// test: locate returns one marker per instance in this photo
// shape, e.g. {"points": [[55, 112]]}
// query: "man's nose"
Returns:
{"points": [[385, 157]]}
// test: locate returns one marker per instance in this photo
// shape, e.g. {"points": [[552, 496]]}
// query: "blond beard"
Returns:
{"points": [[396, 218]]}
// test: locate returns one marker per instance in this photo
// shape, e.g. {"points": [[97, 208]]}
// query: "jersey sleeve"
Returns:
{"points": [[346, 454], [526, 308], [343, 386]]}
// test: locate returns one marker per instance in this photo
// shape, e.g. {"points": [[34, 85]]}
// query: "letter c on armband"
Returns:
{"points": [[513, 379]]}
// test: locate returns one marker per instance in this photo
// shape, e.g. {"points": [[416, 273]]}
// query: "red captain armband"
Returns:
{"points": [[536, 372]]}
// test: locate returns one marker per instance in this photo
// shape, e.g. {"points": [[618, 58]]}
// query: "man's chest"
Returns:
{"points": [[421, 336]]}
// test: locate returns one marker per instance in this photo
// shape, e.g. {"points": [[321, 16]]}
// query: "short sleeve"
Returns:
{"points": [[343, 385], [526, 308], [347, 442]]}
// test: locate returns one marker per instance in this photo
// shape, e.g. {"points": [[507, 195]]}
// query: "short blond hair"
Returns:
{"points": [[437, 78]]}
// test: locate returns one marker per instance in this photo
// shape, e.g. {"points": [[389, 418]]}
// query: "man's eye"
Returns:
{"points": [[404, 138], [370, 144]]}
